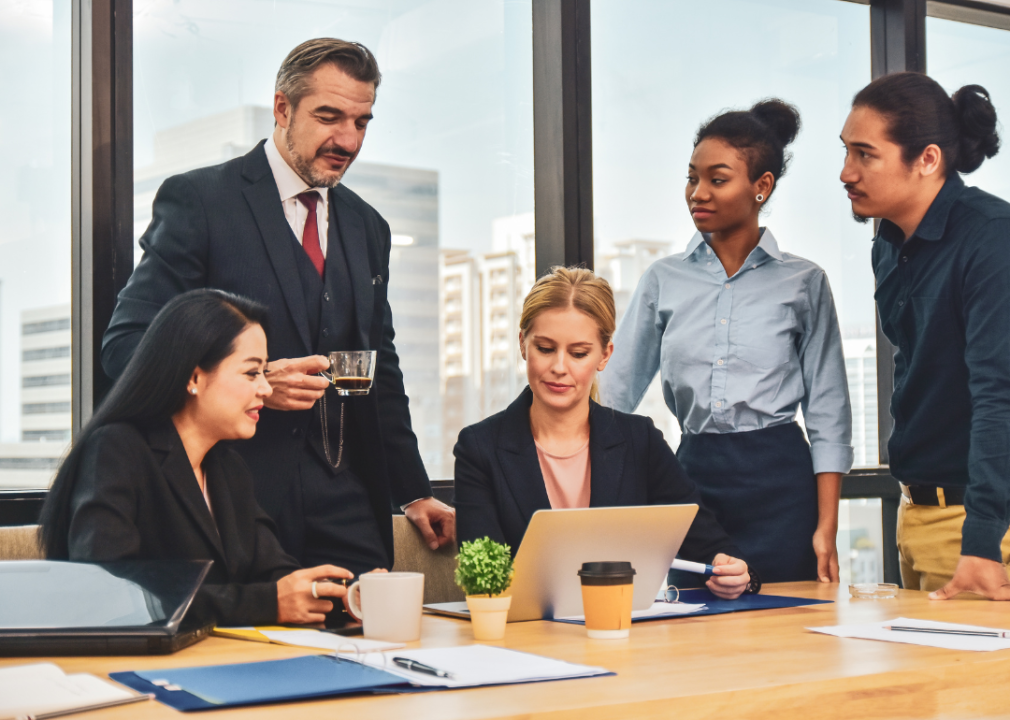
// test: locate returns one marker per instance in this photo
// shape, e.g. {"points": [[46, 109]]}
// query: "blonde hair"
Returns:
{"points": [[572, 287]]}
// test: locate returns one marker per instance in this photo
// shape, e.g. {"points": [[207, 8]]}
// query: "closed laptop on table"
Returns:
{"points": [[123, 608]]}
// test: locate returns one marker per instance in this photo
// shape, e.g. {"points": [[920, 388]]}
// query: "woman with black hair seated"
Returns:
{"points": [[149, 477]]}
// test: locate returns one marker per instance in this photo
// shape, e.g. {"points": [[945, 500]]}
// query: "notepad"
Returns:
{"points": [[875, 631], [480, 665], [305, 637], [44, 688]]}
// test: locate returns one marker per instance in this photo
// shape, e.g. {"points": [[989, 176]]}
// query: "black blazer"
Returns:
{"points": [[136, 498], [224, 227], [499, 484]]}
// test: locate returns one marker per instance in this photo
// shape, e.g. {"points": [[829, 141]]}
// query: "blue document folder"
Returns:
{"points": [[718, 606], [221, 686]]}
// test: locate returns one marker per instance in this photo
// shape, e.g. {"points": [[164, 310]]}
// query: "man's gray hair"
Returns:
{"points": [[353, 58]]}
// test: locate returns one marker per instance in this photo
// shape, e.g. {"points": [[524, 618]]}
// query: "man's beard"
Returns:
{"points": [[305, 168], [860, 218]]}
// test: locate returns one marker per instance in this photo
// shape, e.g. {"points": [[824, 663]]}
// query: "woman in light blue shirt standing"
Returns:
{"points": [[743, 335]]}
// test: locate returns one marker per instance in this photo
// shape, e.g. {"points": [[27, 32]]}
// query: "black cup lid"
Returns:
{"points": [[606, 569]]}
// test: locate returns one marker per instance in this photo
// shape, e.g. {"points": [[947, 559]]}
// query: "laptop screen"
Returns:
{"points": [[47, 594]]}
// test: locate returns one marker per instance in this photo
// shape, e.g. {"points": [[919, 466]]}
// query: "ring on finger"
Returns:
{"points": [[314, 593]]}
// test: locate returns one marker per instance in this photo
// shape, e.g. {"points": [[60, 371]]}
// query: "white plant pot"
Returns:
{"points": [[488, 615]]}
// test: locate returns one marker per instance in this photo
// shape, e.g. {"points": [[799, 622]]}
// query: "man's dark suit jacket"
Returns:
{"points": [[499, 484], [136, 498], [224, 227]]}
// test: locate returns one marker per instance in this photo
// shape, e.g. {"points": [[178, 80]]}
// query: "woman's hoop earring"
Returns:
{"points": [[760, 198]]}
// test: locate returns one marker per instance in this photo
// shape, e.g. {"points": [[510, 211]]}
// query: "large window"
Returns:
{"points": [[659, 70], [35, 246], [448, 161], [965, 54]]}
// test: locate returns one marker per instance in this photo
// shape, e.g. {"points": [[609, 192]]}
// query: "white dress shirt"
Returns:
{"points": [[291, 185]]}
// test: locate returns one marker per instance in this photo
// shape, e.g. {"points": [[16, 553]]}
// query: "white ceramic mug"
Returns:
{"points": [[389, 605]]}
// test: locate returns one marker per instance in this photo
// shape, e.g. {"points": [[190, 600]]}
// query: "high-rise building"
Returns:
{"points": [[861, 372], [45, 399], [623, 267], [460, 353]]}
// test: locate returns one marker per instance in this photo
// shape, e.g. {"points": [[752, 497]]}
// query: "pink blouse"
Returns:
{"points": [[566, 478]]}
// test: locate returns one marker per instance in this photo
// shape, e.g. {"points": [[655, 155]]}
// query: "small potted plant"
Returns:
{"points": [[484, 571]]}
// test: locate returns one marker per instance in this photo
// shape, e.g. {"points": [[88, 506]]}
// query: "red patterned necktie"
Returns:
{"points": [[310, 235]]}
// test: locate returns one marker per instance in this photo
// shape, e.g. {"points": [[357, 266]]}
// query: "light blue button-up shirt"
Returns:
{"points": [[737, 353]]}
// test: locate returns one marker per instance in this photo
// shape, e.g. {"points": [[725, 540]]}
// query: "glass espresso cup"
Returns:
{"points": [[351, 371]]}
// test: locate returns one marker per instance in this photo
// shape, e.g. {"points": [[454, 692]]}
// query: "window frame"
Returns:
{"points": [[102, 185]]}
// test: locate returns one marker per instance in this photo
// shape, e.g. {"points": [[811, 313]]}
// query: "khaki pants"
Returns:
{"points": [[929, 544]]}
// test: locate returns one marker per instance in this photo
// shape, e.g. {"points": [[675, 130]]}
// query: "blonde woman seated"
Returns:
{"points": [[555, 447]]}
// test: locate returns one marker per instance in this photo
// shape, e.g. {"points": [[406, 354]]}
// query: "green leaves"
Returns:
{"points": [[484, 567]]}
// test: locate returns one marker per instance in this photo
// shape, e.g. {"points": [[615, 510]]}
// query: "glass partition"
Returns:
{"points": [[35, 245], [448, 161], [657, 77], [962, 54]]}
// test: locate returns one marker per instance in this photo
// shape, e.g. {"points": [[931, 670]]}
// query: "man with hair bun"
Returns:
{"points": [[277, 226], [941, 258]]}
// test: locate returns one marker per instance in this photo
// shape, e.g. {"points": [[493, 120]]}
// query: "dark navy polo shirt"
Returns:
{"points": [[944, 303]]}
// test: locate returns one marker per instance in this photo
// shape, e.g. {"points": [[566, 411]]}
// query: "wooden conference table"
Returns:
{"points": [[752, 664]]}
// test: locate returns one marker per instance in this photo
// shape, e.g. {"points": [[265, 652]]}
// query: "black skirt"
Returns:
{"points": [[761, 487]]}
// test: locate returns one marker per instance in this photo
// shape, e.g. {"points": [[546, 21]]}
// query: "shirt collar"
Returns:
{"points": [[767, 247], [934, 222], [289, 183]]}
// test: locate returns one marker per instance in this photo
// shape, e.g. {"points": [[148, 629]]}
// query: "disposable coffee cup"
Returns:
{"points": [[607, 592]]}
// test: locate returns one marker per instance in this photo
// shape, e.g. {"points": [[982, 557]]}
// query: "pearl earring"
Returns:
{"points": [[193, 390], [760, 197]]}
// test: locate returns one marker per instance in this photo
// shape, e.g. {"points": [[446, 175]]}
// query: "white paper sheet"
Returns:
{"points": [[657, 610], [480, 665], [875, 631], [328, 641], [43, 688]]}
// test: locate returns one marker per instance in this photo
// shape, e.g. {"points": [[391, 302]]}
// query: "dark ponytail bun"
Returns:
{"points": [[976, 119], [920, 113], [781, 118], [761, 134]]}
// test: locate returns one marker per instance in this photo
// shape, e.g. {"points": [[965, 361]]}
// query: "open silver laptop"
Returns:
{"points": [[557, 542]]}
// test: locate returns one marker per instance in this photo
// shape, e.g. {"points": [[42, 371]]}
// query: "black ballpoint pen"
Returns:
{"points": [[422, 668]]}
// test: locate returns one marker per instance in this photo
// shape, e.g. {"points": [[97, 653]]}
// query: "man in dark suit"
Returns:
{"points": [[276, 226]]}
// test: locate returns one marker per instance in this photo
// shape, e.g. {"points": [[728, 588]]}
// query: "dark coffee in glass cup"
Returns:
{"points": [[351, 371]]}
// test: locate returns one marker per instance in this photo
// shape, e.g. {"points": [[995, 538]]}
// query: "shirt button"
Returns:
{"points": [[708, 251], [709, 262], [904, 258], [727, 286], [723, 321], [719, 361], [326, 333], [718, 404], [326, 297], [295, 432], [901, 303]]}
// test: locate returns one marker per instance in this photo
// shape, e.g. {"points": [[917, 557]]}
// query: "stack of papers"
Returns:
{"points": [[44, 688], [479, 665], [876, 631]]}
